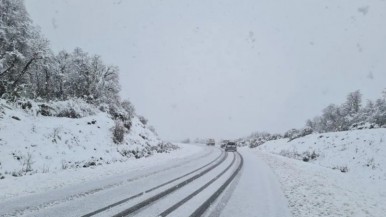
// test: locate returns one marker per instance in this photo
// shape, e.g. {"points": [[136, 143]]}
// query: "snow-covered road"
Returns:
{"points": [[210, 182], [256, 192]]}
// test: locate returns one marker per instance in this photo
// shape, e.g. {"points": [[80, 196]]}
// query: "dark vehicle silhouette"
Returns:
{"points": [[211, 142], [231, 146]]}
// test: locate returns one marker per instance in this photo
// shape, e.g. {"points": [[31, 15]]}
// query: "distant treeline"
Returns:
{"points": [[350, 115]]}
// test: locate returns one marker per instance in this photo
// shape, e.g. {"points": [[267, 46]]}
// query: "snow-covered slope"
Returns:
{"points": [[31, 143], [313, 190], [360, 153], [332, 174]]}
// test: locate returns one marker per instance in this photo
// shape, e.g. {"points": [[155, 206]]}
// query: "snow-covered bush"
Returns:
{"points": [[121, 113], [118, 132], [257, 139], [308, 156], [143, 120], [363, 125], [294, 133], [73, 108], [343, 169], [27, 164], [152, 129], [128, 107], [164, 147], [304, 156]]}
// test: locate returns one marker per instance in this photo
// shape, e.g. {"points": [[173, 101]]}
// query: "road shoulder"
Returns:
{"points": [[257, 192], [18, 187], [313, 190]]}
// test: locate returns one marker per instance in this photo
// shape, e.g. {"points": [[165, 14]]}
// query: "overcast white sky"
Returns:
{"points": [[225, 68]]}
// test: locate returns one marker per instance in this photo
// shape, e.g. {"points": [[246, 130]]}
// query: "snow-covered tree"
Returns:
{"points": [[129, 107], [16, 36], [353, 102]]}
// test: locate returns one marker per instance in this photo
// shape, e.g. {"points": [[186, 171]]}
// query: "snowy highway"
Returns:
{"points": [[192, 108], [211, 182]]}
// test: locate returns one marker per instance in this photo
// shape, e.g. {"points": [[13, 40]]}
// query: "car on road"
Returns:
{"points": [[231, 146], [211, 142]]}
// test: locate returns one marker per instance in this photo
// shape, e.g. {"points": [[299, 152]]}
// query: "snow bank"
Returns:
{"points": [[360, 153], [106, 174], [312, 190], [31, 143], [332, 174]]}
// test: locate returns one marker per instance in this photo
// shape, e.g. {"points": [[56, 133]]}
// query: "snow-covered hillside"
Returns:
{"points": [[360, 153], [332, 174], [31, 143]]}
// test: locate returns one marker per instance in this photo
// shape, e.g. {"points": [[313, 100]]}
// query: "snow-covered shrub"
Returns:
{"points": [[55, 135], [27, 164], [257, 139], [68, 113], [164, 147], [73, 108], [125, 152], [305, 156], [291, 133], [290, 154], [128, 107], [118, 132], [136, 153], [152, 129], [295, 133], [120, 113], [143, 120], [255, 143], [89, 164], [45, 110], [371, 163], [17, 173], [127, 124], [117, 112], [309, 156], [343, 169], [306, 131], [25, 104], [363, 125]]}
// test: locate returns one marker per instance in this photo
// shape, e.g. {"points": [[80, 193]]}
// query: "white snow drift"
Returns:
{"points": [[332, 174]]}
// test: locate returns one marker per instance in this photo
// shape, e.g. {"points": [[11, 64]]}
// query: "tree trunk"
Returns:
{"points": [[22, 72]]}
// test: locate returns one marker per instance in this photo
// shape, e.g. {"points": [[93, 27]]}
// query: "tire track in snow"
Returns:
{"points": [[34, 208], [152, 189], [162, 194], [186, 199], [204, 206]]}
